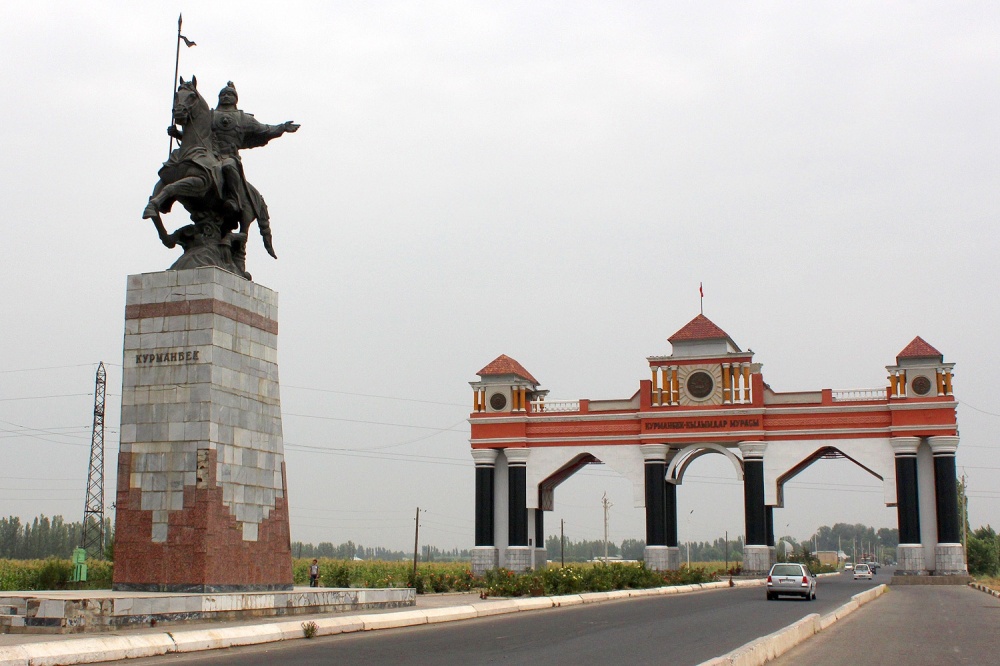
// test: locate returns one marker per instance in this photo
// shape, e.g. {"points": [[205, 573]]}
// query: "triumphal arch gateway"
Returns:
{"points": [[709, 397]]}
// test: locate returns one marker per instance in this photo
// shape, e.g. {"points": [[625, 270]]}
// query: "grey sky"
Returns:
{"points": [[546, 180]]}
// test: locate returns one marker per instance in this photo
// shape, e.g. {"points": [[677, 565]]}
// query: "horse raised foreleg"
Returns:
{"points": [[190, 186]]}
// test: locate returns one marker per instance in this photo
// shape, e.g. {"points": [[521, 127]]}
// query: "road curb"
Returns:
{"points": [[112, 648], [762, 650], [983, 588]]}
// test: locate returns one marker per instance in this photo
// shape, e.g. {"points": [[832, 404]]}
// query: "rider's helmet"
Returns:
{"points": [[229, 89]]}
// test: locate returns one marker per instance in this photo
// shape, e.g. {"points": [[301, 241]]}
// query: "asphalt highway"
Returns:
{"points": [[682, 629]]}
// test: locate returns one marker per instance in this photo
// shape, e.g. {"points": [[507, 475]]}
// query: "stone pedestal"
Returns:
{"points": [[950, 560], [662, 558], [485, 558], [757, 560], [519, 558], [910, 560], [201, 501]]}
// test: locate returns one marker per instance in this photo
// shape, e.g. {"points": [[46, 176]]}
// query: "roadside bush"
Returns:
{"points": [[430, 576], [981, 552], [577, 579]]}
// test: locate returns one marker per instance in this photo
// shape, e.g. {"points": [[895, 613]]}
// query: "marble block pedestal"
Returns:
{"points": [[757, 560], [202, 501], [662, 558]]}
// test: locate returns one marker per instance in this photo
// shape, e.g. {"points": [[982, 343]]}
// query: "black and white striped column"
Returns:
{"points": [[485, 553], [518, 555], [757, 554], [949, 555], [910, 551], [654, 457]]}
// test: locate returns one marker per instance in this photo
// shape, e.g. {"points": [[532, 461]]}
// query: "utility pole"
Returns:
{"points": [[562, 543], [689, 537], [965, 518], [727, 550], [93, 506], [416, 536], [607, 505]]}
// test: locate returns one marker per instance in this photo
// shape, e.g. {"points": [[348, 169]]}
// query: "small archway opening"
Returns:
{"points": [[710, 516]]}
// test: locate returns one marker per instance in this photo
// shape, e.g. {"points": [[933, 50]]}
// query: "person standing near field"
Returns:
{"points": [[314, 574]]}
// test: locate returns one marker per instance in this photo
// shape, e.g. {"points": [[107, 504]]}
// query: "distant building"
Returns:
{"points": [[828, 557]]}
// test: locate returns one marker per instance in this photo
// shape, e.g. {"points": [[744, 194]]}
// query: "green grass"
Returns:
{"points": [[51, 574]]}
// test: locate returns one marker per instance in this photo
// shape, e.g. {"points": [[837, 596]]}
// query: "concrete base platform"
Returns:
{"points": [[104, 610], [930, 580]]}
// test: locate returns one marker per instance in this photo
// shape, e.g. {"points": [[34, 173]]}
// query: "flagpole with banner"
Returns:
{"points": [[701, 298], [177, 64]]}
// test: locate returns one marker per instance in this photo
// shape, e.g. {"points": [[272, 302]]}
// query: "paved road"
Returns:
{"points": [[684, 629], [916, 625]]}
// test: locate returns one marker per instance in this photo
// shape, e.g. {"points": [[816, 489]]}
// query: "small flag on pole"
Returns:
{"points": [[701, 298], [187, 41]]}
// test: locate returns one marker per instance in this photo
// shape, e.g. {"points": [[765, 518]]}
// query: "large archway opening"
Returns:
{"points": [[857, 525], [582, 487]]}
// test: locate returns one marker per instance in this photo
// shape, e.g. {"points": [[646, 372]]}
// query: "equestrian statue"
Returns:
{"points": [[205, 174]]}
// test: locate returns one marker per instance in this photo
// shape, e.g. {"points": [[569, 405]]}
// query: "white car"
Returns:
{"points": [[848, 566], [792, 579], [863, 571]]}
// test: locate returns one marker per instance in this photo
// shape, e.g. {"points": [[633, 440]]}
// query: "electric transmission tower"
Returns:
{"points": [[93, 506]]}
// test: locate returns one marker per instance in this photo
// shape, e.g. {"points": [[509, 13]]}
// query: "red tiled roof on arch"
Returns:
{"points": [[919, 348], [699, 328], [505, 365]]}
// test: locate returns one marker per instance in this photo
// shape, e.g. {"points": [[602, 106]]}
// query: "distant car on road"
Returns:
{"points": [[862, 571], [848, 566], [791, 579]]}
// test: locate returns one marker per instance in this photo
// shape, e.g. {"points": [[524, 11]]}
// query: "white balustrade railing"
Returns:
{"points": [[539, 406], [854, 395]]}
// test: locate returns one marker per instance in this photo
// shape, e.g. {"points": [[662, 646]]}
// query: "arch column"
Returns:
{"points": [[757, 554], [518, 554], [910, 552], [661, 510], [949, 553], [485, 553]]}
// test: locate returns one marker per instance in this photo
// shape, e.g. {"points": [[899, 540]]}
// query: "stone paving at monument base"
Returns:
{"points": [[104, 610]]}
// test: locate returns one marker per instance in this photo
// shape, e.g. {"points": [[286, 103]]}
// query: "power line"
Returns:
{"points": [[51, 367], [976, 409], [46, 397], [369, 395], [396, 425]]}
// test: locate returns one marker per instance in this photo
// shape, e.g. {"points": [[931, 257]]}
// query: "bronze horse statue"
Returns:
{"points": [[193, 176]]}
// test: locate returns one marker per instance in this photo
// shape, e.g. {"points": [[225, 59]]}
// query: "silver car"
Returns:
{"points": [[791, 579], [863, 571]]}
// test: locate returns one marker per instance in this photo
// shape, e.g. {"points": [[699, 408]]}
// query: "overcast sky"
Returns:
{"points": [[546, 180]]}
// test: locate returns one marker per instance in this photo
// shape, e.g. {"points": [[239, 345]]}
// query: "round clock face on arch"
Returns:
{"points": [[921, 385], [700, 384], [498, 401]]}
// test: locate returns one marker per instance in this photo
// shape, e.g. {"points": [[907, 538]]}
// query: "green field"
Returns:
{"points": [[54, 574]]}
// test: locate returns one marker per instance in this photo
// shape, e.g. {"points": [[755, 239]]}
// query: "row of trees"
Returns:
{"points": [[842, 534], [350, 551], [633, 549], [43, 537], [47, 537]]}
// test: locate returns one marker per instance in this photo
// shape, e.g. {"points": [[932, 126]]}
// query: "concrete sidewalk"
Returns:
{"points": [[53, 649], [915, 625]]}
